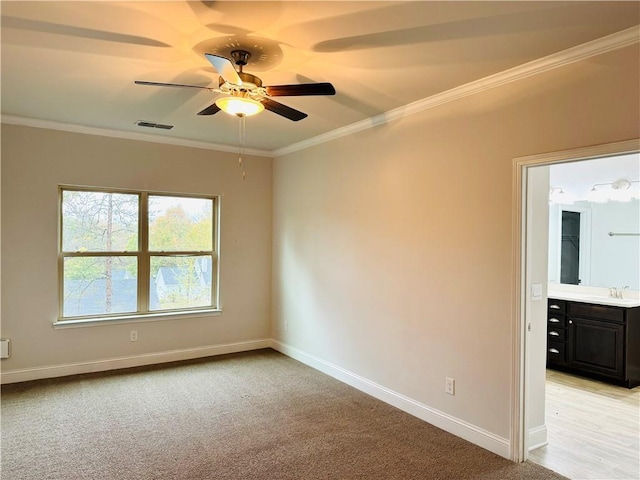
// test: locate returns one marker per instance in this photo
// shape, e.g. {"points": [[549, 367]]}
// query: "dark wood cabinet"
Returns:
{"points": [[598, 341], [596, 346], [557, 333]]}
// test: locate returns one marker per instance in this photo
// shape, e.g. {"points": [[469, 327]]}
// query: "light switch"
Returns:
{"points": [[536, 291], [4, 348]]}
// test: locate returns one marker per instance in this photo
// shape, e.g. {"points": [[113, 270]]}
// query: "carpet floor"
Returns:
{"points": [[257, 415]]}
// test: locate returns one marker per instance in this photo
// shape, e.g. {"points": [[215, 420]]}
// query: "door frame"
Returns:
{"points": [[518, 447]]}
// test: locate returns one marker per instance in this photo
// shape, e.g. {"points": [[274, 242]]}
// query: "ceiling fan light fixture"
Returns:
{"points": [[239, 106]]}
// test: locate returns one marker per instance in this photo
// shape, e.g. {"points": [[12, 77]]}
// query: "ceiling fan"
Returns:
{"points": [[244, 93]]}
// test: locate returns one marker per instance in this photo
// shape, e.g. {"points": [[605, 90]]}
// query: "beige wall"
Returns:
{"points": [[35, 161], [393, 247]]}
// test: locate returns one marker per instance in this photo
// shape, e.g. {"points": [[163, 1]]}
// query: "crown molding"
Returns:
{"points": [[144, 137], [593, 48]]}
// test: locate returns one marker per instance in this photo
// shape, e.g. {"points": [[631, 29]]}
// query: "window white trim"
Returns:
{"points": [[137, 318], [143, 255]]}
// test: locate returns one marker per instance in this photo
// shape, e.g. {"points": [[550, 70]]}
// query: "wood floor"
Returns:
{"points": [[593, 429]]}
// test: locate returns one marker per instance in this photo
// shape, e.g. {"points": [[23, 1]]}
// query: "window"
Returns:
{"points": [[124, 253]]}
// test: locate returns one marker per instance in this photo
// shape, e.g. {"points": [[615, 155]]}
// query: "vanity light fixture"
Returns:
{"points": [[621, 190], [559, 196]]}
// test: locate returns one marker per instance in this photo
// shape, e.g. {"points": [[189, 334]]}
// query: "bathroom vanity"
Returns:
{"points": [[594, 337]]}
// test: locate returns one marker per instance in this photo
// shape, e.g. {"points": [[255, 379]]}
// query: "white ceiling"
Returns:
{"points": [[76, 62]]}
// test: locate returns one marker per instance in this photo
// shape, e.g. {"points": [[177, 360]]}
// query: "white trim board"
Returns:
{"points": [[599, 46], [538, 437], [52, 371], [595, 47], [448, 423], [142, 137]]}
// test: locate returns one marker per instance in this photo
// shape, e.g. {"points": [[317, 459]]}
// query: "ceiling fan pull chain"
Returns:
{"points": [[241, 141]]}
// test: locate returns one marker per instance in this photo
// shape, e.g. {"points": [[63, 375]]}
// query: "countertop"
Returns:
{"points": [[595, 299]]}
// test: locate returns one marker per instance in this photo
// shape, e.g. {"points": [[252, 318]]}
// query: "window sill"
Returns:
{"points": [[152, 317]]}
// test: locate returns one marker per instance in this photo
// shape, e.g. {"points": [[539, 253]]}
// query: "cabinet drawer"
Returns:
{"points": [[556, 321], [601, 312], [556, 334], [556, 352], [557, 305]]}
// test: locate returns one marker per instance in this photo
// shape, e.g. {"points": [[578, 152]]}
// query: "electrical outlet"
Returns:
{"points": [[133, 335], [286, 326], [450, 386]]}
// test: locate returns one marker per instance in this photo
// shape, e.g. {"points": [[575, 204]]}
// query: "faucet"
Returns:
{"points": [[615, 292]]}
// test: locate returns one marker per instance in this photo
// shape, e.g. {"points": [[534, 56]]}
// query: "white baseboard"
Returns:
{"points": [[538, 437], [478, 436], [51, 371]]}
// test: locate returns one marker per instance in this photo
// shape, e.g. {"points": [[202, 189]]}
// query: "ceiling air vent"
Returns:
{"points": [[144, 123]]}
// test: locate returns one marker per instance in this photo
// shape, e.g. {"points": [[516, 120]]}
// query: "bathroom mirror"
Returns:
{"points": [[594, 240]]}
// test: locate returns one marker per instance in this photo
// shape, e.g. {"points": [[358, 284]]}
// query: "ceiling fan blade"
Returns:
{"points": [[210, 110], [225, 68], [283, 110], [177, 85], [324, 88], [365, 108]]}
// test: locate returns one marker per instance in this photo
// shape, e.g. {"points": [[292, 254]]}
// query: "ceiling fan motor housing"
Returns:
{"points": [[250, 85]]}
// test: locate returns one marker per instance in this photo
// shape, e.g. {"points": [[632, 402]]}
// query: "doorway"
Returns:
{"points": [[529, 305]]}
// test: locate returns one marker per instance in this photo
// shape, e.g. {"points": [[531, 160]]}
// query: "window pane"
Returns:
{"points": [[180, 282], [100, 285], [180, 224], [99, 222]]}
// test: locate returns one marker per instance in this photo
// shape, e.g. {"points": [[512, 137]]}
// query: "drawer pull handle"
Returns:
{"points": [[553, 333], [554, 320], [554, 306], [570, 322], [554, 350]]}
